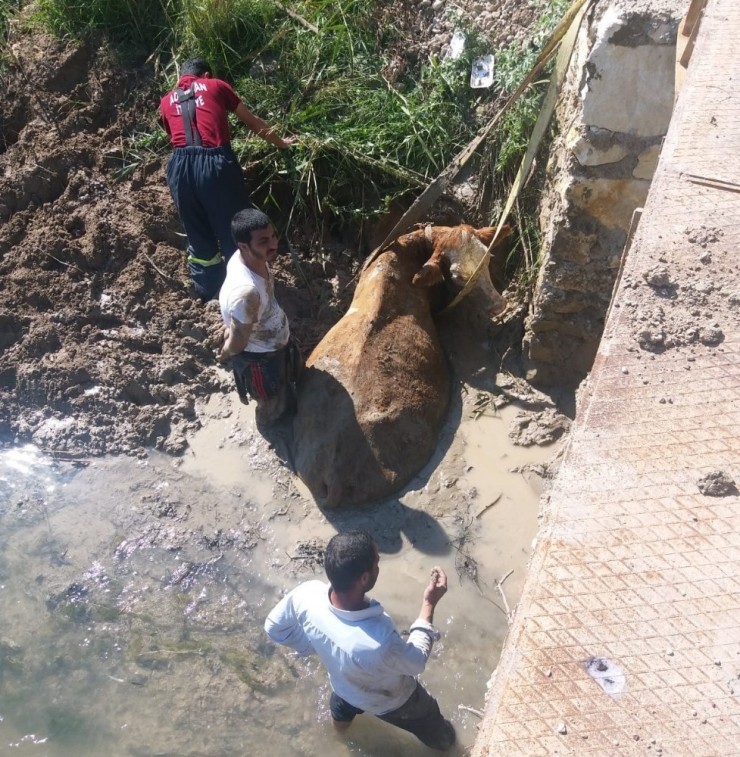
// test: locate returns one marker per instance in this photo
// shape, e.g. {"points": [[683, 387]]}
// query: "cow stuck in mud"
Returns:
{"points": [[376, 388]]}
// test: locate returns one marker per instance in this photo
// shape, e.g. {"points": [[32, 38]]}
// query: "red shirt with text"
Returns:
{"points": [[214, 98]]}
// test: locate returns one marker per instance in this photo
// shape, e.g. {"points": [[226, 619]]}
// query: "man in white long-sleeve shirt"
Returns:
{"points": [[371, 668]]}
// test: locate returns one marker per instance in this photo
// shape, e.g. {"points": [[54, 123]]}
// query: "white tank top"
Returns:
{"points": [[271, 330]]}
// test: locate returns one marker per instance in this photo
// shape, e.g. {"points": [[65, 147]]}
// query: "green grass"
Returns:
{"points": [[8, 9], [141, 24], [367, 137], [512, 65], [138, 149]]}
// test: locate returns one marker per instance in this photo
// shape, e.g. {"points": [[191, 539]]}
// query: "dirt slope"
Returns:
{"points": [[101, 349]]}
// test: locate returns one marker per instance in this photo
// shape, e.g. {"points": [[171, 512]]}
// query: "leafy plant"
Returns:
{"points": [[137, 149], [7, 9], [145, 24], [323, 70], [502, 154]]}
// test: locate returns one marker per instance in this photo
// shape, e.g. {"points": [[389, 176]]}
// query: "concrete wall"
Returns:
{"points": [[612, 117]]}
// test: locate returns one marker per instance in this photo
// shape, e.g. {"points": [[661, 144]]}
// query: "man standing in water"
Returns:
{"points": [[203, 174], [265, 361], [371, 668]]}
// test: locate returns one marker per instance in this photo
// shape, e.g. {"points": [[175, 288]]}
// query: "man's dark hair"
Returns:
{"points": [[195, 67], [348, 555], [245, 222]]}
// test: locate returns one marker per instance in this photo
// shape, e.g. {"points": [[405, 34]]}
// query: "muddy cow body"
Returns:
{"points": [[376, 388]]}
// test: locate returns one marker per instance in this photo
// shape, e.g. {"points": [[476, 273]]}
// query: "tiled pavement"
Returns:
{"points": [[627, 637]]}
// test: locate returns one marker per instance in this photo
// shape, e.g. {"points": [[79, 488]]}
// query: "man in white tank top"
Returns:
{"points": [[257, 336]]}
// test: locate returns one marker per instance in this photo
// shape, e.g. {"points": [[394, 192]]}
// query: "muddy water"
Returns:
{"points": [[132, 593]]}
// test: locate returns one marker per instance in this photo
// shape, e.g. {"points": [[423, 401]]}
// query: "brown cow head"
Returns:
{"points": [[456, 253]]}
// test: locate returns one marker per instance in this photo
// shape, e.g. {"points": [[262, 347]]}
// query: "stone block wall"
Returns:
{"points": [[612, 116]]}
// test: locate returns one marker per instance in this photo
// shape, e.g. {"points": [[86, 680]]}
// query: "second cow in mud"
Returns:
{"points": [[376, 388]]}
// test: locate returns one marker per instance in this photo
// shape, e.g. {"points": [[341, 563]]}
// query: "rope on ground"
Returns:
{"points": [[567, 32], [436, 188]]}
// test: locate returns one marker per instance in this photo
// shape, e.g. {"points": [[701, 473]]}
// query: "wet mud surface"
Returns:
{"points": [[134, 591]]}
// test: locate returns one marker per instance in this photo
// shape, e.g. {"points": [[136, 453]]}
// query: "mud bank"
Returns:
{"points": [[101, 350]]}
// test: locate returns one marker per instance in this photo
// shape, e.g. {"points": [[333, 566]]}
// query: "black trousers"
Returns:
{"points": [[208, 188], [419, 715], [270, 379]]}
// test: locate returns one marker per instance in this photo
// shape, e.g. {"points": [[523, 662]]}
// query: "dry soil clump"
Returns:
{"points": [[101, 348]]}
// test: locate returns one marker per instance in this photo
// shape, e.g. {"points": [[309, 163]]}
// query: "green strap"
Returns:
{"points": [[215, 260], [565, 35]]}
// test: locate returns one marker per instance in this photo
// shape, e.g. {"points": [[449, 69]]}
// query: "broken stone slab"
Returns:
{"points": [[589, 154], [610, 201], [647, 162], [649, 69]]}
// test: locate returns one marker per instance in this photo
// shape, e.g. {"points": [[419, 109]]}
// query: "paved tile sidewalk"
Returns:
{"points": [[627, 638]]}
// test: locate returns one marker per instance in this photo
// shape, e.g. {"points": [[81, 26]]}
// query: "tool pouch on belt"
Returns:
{"points": [[263, 375]]}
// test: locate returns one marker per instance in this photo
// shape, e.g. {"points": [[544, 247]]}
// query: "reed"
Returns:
{"points": [[369, 133]]}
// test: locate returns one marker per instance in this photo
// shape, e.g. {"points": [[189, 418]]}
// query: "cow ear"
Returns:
{"points": [[428, 276], [486, 234], [409, 240]]}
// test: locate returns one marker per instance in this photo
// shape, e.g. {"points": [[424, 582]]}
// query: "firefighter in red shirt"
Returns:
{"points": [[203, 174]]}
